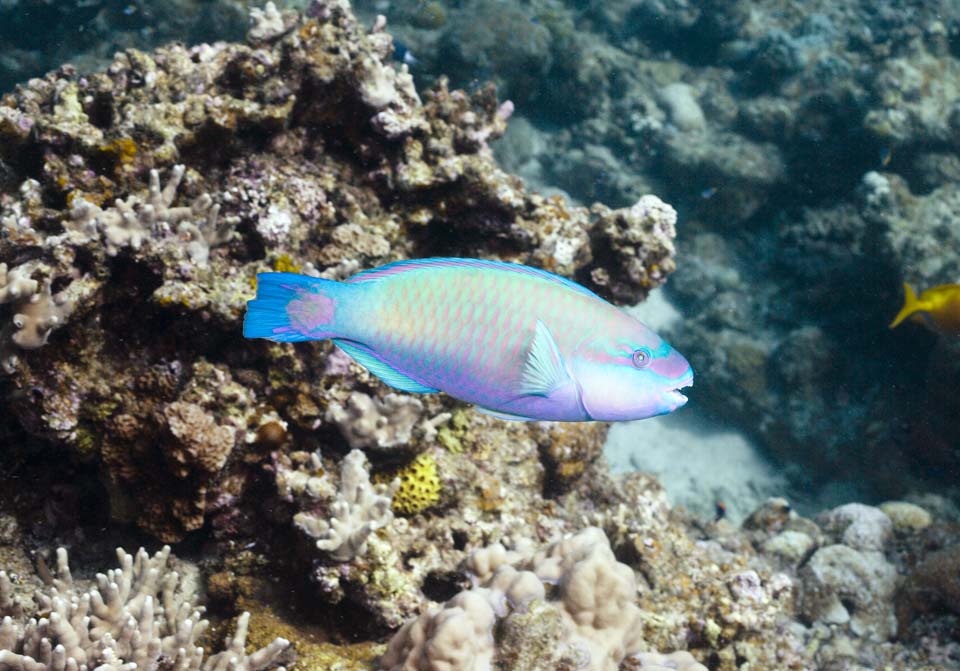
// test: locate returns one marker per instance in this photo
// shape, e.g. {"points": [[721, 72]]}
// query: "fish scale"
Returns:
{"points": [[516, 341]]}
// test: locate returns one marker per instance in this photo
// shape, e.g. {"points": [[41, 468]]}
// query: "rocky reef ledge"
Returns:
{"points": [[344, 526]]}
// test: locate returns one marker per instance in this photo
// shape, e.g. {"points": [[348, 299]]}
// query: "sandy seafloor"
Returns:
{"points": [[703, 462]]}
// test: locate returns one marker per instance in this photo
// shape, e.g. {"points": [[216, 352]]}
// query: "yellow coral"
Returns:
{"points": [[282, 264], [123, 150], [285, 264], [419, 485]]}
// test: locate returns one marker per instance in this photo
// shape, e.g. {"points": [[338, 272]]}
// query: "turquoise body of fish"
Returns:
{"points": [[516, 341]]}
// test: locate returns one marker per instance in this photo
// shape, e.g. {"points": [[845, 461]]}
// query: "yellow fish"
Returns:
{"points": [[938, 307]]}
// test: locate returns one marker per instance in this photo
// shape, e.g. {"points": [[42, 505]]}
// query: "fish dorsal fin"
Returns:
{"points": [[373, 363], [543, 370], [398, 267]]}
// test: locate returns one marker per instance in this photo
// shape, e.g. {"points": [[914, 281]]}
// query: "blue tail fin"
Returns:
{"points": [[291, 308]]}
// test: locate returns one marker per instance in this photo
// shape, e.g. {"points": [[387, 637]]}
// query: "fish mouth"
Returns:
{"points": [[674, 397]]}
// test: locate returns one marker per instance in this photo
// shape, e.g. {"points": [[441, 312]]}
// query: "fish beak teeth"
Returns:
{"points": [[676, 397]]}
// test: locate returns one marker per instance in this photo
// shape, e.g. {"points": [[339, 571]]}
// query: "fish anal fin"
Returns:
{"points": [[367, 358], [499, 414], [543, 369]]}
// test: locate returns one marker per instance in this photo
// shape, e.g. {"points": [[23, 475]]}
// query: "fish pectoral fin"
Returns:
{"points": [[499, 414], [543, 370], [373, 363]]}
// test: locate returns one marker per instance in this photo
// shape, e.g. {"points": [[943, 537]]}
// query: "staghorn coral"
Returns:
{"points": [[138, 615], [359, 509], [137, 220]]}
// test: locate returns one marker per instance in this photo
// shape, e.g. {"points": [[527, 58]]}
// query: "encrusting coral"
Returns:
{"points": [[933, 585], [419, 485], [137, 616], [372, 422], [675, 661]]}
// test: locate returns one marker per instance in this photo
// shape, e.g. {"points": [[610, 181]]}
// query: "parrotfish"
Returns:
{"points": [[937, 307], [518, 342]]}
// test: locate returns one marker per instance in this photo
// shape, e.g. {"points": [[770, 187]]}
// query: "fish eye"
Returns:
{"points": [[641, 357]]}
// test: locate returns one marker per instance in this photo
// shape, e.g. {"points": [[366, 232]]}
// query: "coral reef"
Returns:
{"points": [[138, 615], [138, 203], [238, 180]]}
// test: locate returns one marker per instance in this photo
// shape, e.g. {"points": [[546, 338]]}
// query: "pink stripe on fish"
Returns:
{"points": [[673, 366]]}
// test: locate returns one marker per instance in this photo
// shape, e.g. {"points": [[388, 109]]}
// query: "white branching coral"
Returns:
{"points": [[39, 316], [138, 616], [133, 222], [360, 509], [16, 283], [37, 310]]}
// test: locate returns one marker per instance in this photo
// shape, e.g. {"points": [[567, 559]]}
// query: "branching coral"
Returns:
{"points": [[136, 220], [360, 509], [16, 284], [138, 616], [39, 316]]}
